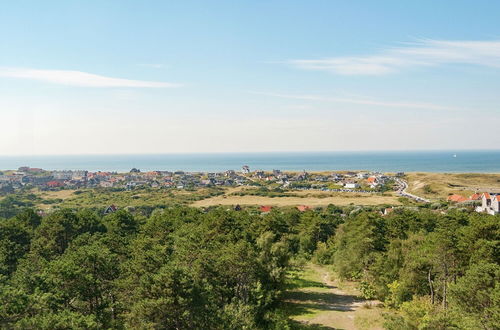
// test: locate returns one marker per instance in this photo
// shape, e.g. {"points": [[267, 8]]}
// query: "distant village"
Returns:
{"points": [[342, 181], [55, 180]]}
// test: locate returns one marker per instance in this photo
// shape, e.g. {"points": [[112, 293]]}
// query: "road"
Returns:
{"points": [[403, 185]]}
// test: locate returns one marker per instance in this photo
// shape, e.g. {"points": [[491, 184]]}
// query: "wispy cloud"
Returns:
{"points": [[361, 101], [422, 53], [78, 78]]}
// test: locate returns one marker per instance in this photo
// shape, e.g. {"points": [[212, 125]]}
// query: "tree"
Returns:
{"points": [[82, 279], [477, 294], [15, 238], [356, 243]]}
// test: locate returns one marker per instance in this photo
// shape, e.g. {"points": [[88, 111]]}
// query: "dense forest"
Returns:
{"points": [[187, 268]]}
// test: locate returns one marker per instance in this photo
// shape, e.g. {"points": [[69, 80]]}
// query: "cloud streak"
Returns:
{"points": [[360, 101], [79, 78], [425, 53]]}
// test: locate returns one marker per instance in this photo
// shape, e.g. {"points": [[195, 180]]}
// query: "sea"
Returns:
{"points": [[447, 161]]}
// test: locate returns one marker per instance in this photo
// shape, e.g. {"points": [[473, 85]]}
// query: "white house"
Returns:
{"points": [[362, 175], [489, 204], [351, 185], [495, 204]]}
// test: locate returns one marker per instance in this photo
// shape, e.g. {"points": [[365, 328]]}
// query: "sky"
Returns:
{"points": [[129, 77]]}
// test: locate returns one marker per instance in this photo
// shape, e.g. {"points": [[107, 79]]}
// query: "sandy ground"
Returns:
{"points": [[443, 184], [345, 199], [62, 194]]}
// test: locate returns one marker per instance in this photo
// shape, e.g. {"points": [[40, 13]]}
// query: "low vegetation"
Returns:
{"points": [[441, 185]]}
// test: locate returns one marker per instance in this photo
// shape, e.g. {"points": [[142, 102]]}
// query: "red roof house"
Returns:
{"points": [[303, 208], [456, 198], [265, 208], [475, 197], [54, 184]]}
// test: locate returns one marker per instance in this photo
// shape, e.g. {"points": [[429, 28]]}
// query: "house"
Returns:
{"points": [[79, 175], [495, 205], [373, 182], [303, 208], [485, 200], [229, 173], [362, 175], [62, 175], [245, 169], [260, 174], [351, 185], [489, 204], [265, 208], [336, 177], [110, 209], [475, 197], [106, 184], [207, 182], [388, 210], [456, 198], [54, 184]]}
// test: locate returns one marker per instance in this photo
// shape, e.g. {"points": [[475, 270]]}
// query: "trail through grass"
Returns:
{"points": [[315, 300]]}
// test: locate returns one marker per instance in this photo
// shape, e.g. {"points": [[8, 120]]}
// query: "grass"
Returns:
{"points": [[314, 301], [62, 194], [203, 197], [441, 185], [100, 198]]}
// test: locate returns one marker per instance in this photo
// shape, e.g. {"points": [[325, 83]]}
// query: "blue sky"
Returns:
{"points": [[225, 76]]}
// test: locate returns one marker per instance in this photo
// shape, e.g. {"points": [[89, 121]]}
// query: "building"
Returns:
{"points": [[110, 209], [456, 198], [303, 208], [62, 175], [54, 184], [489, 204], [245, 169], [495, 204], [475, 197], [362, 175], [373, 182], [351, 185], [265, 208], [388, 211]]}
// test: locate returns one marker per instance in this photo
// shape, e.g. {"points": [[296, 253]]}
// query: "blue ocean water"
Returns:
{"points": [[384, 161]]}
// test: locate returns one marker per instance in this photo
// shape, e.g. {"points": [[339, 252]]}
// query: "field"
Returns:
{"points": [[440, 185], [205, 197], [313, 200]]}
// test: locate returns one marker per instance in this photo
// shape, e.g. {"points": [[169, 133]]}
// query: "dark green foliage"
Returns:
{"points": [[180, 268], [440, 271], [185, 268]]}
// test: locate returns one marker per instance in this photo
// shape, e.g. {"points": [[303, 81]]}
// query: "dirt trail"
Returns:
{"points": [[323, 305]]}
